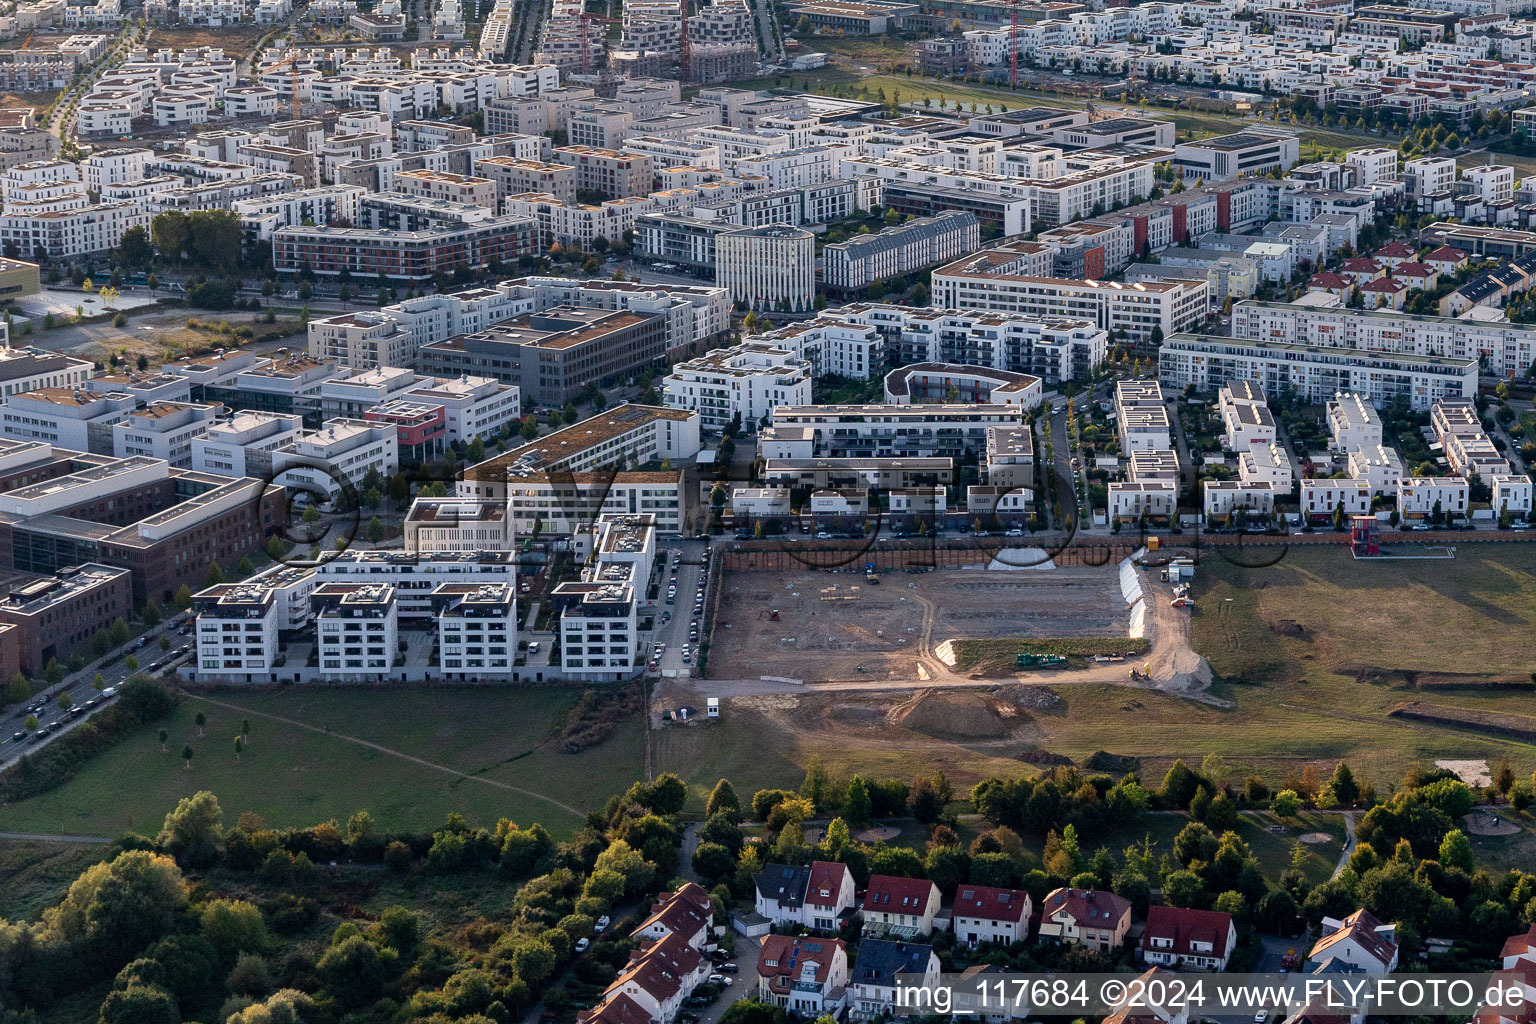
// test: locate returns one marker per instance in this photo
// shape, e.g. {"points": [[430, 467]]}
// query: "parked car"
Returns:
{"points": [[727, 968], [582, 944], [602, 925]]}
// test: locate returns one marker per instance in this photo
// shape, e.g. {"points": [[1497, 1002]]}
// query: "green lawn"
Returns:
{"points": [[297, 773], [33, 875]]}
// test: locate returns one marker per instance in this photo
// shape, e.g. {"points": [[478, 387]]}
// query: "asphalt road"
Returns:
{"points": [[78, 686]]}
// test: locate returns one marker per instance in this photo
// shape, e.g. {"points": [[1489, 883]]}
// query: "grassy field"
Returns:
{"points": [[409, 756], [34, 874], [1000, 655]]}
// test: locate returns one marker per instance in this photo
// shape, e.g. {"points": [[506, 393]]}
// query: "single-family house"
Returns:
{"points": [[1359, 940], [1519, 947], [1395, 253], [1384, 293], [1192, 939], [660, 975], [881, 966], [1446, 260], [985, 914], [807, 976], [1416, 275], [688, 911], [899, 906], [816, 896], [1086, 917]]}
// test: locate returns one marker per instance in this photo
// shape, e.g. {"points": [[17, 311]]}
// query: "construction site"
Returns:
{"points": [[818, 625]]}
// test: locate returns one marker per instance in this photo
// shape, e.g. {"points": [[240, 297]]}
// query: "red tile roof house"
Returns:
{"points": [[984, 914], [805, 975], [1359, 940], [688, 912], [1446, 259], [899, 906], [1416, 275], [1383, 293], [1088, 917], [815, 896], [1333, 284], [1361, 269], [1519, 947], [1140, 1013], [1194, 939], [1394, 253], [659, 976]]}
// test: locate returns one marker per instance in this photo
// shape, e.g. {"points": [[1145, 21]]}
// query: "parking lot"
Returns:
{"points": [[674, 636]]}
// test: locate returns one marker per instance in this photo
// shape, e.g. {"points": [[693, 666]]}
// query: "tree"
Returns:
{"points": [[65, 702], [201, 720], [375, 530], [857, 806], [118, 907], [354, 970], [1456, 851], [194, 830], [53, 672], [18, 689], [186, 757], [723, 800], [29, 723], [139, 1004], [1342, 790], [233, 926], [1286, 804], [1184, 889], [163, 737], [99, 683]]}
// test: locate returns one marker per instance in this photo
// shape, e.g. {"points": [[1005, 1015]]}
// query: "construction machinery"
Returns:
{"points": [[1040, 661]]}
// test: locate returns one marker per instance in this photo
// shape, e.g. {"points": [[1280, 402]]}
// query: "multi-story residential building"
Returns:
{"points": [[323, 463], [1467, 447], [472, 407], [356, 392], [616, 175], [512, 177], [1141, 418], [243, 445], [883, 967], [1378, 467], [1316, 373], [1246, 419], [456, 524], [768, 268], [72, 233], [599, 633], [1504, 348], [954, 382], [357, 630], [1321, 498], [1512, 494], [237, 626], [745, 382], [1009, 460], [1134, 500], [1429, 497], [414, 575], [637, 434], [1135, 310], [897, 251], [881, 473], [1353, 422], [163, 430], [476, 630], [1228, 497], [400, 254], [364, 340], [892, 431], [1231, 156]]}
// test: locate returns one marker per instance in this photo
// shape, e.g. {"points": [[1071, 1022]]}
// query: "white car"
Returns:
{"points": [[601, 926], [582, 944]]}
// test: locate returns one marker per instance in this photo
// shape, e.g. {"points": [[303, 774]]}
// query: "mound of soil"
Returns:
{"points": [[958, 713], [1033, 698], [856, 714], [1043, 757], [1290, 628], [1112, 764]]}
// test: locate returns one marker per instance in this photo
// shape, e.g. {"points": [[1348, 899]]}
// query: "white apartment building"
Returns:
{"points": [[107, 167], [1131, 309], [1429, 174], [900, 250], [362, 390], [1225, 497], [70, 418], [771, 268], [1129, 500], [65, 234], [1141, 419], [243, 445], [1378, 467], [563, 504], [1353, 422], [357, 629], [753, 503], [164, 430], [1507, 349], [1314, 372], [456, 524], [1320, 497], [1512, 494], [341, 452], [365, 340], [236, 631], [476, 630], [1467, 447], [1373, 165], [747, 380], [1417, 497], [598, 630], [1245, 416], [473, 406], [414, 575]]}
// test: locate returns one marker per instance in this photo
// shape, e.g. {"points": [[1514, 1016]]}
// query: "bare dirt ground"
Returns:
{"points": [[839, 626]]}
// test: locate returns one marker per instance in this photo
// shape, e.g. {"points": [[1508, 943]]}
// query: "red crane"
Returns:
{"points": [[684, 48], [1013, 43], [586, 56]]}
